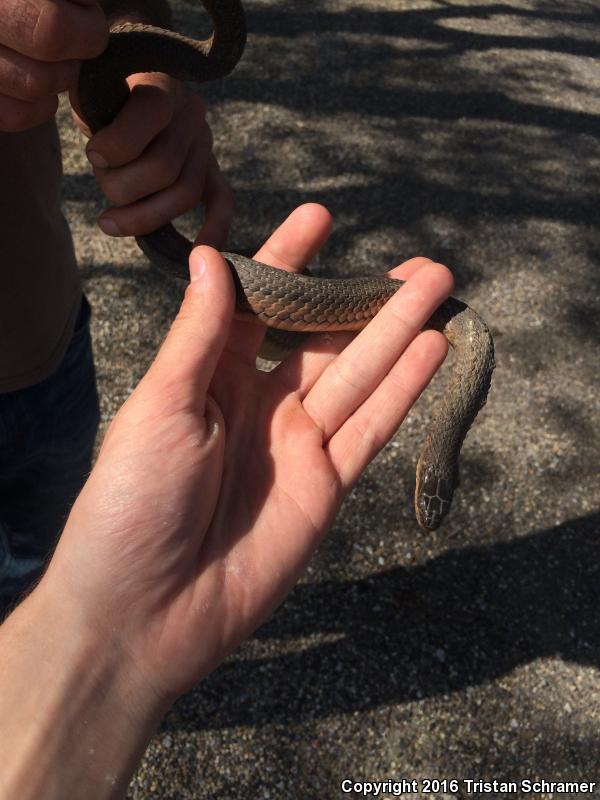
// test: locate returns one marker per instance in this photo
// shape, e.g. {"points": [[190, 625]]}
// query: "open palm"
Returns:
{"points": [[216, 481]]}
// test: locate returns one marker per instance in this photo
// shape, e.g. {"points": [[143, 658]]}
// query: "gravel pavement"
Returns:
{"points": [[467, 131]]}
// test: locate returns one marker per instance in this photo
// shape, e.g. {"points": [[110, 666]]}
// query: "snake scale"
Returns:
{"points": [[282, 300]]}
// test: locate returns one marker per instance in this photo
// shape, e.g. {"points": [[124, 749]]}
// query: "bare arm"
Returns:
{"points": [[72, 724], [213, 487]]}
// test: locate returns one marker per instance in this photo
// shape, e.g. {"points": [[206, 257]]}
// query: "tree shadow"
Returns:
{"points": [[463, 146], [462, 619], [428, 25]]}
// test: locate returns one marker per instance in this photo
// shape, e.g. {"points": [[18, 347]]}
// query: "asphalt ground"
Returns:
{"points": [[468, 132]]}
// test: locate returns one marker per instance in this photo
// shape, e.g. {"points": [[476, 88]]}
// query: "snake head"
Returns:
{"points": [[433, 496]]}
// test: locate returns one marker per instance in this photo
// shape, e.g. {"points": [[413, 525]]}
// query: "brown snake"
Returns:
{"points": [[280, 299]]}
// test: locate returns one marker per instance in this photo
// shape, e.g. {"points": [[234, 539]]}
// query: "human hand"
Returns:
{"points": [[41, 45], [155, 161], [216, 482]]}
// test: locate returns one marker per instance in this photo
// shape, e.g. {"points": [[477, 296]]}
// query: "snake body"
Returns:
{"points": [[281, 300]]}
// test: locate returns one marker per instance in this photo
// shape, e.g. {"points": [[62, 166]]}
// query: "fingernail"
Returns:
{"points": [[96, 159], [197, 267], [109, 226]]}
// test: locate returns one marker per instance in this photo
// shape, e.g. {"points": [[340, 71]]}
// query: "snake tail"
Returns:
{"points": [[466, 394]]}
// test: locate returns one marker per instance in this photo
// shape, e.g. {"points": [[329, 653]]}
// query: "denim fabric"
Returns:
{"points": [[47, 434]]}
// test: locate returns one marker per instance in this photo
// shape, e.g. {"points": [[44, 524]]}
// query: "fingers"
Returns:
{"points": [[27, 79], [185, 364], [355, 373], [149, 110], [374, 422], [295, 242], [40, 44], [151, 160], [219, 204], [18, 115], [298, 239], [367, 374], [154, 162], [54, 31], [300, 371], [156, 209]]}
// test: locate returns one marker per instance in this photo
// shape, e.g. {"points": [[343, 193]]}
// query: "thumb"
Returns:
{"points": [[191, 351]]}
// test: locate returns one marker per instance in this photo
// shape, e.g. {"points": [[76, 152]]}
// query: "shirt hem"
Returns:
{"points": [[41, 372]]}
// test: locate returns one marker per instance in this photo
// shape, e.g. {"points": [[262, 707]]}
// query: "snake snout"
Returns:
{"points": [[433, 498]]}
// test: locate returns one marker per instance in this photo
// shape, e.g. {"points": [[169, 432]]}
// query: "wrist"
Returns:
{"points": [[74, 717]]}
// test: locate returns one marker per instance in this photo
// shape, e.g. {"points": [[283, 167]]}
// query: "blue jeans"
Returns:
{"points": [[47, 434]]}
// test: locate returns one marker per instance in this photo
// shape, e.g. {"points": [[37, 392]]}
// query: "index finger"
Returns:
{"points": [[290, 247]]}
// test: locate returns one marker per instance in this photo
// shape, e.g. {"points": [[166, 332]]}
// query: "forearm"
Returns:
{"points": [[73, 722]]}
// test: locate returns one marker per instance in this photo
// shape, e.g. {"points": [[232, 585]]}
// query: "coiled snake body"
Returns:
{"points": [[282, 300]]}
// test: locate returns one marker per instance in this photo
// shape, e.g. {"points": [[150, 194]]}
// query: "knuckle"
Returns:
{"points": [[370, 438], [350, 374], [115, 190], [17, 116], [164, 169], [401, 387], [189, 192], [154, 104], [51, 32], [29, 80], [396, 309], [62, 28], [117, 144], [38, 83]]}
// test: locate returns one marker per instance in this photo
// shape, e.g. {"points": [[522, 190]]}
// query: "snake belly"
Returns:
{"points": [[281, 300]]}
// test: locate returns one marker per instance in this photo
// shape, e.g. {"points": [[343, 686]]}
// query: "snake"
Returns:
{"points": [[283, 301]]}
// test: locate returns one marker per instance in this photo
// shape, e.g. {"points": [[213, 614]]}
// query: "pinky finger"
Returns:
{"points": [[374, 423]]}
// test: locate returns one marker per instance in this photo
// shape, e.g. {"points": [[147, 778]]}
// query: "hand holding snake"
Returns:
{"points": [[279, 299]]}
